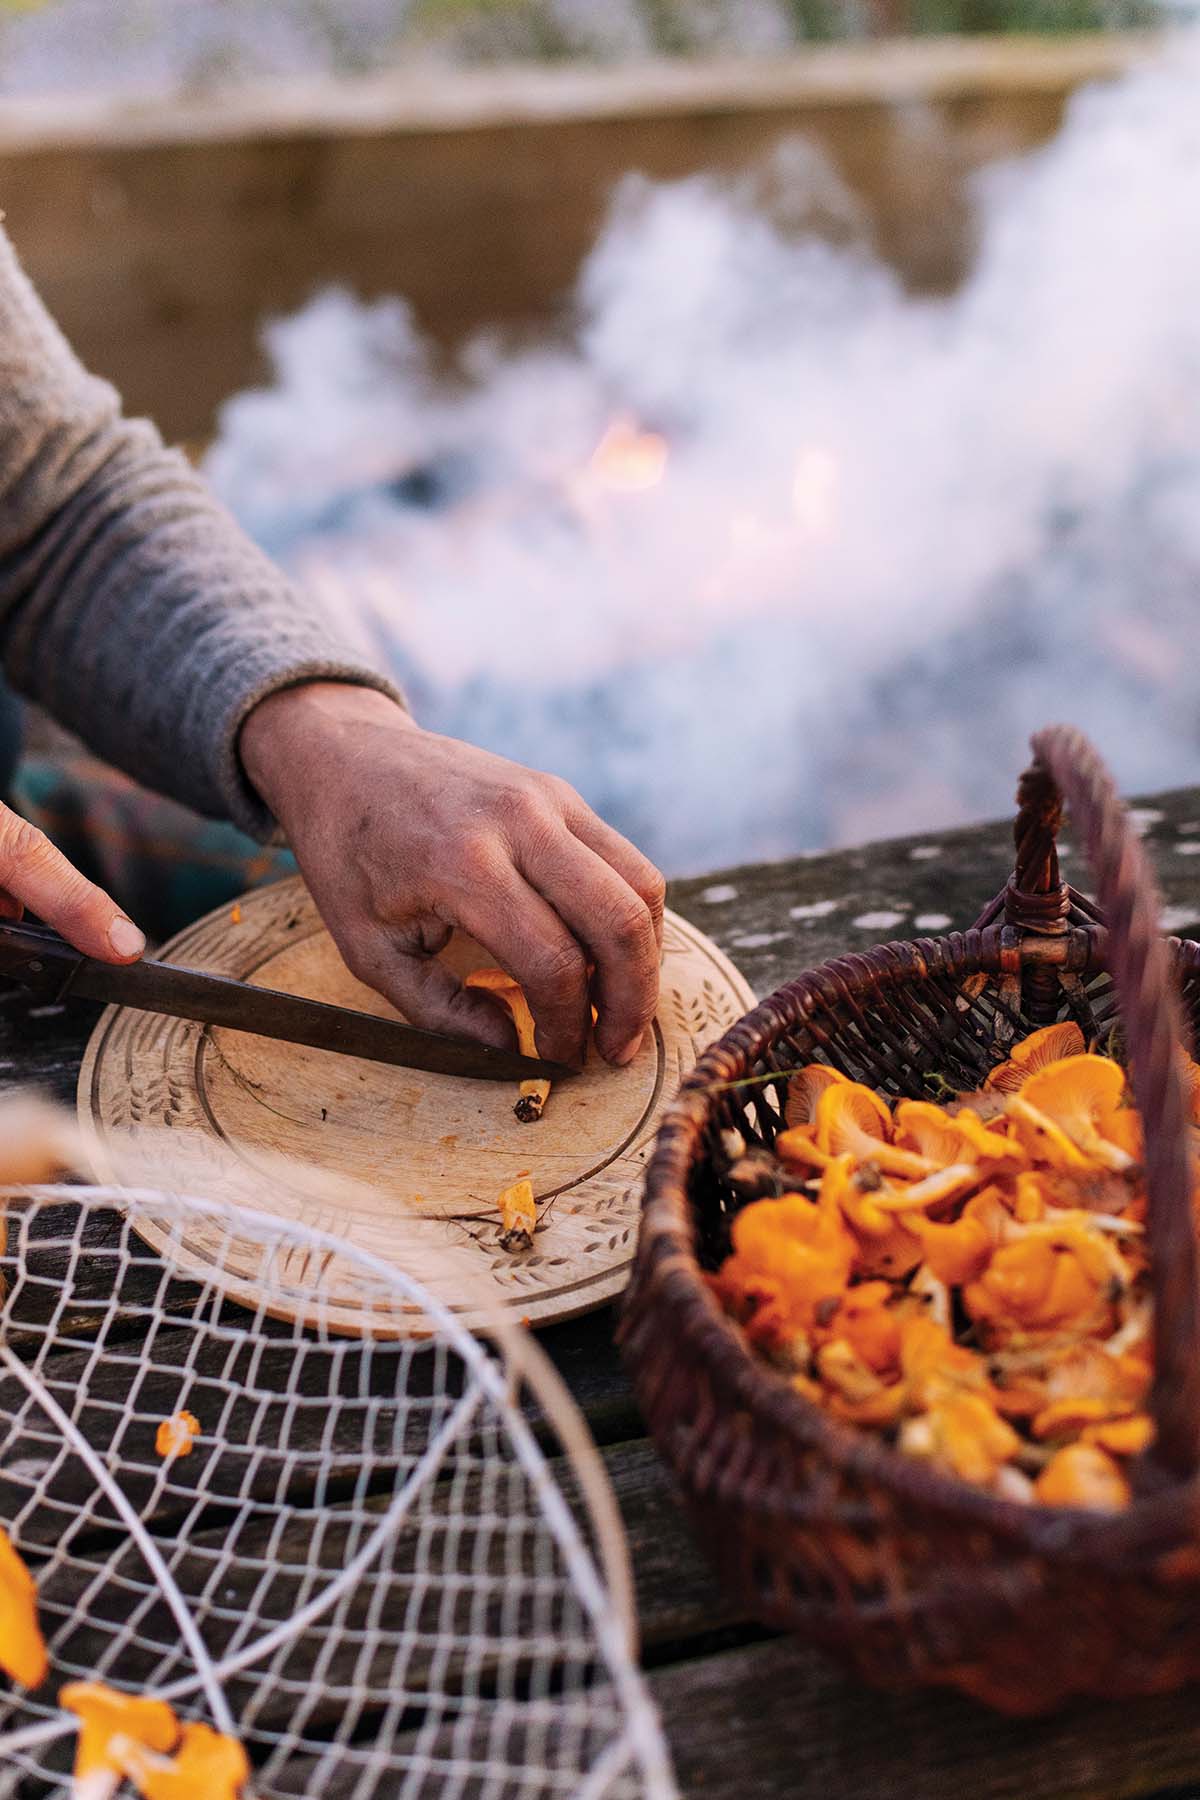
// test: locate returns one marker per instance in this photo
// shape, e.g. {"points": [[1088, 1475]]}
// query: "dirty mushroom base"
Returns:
{"points": [[274, 1125]]}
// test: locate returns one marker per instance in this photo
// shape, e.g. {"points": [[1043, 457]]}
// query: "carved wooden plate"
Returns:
{"points": [[163, 1100]]}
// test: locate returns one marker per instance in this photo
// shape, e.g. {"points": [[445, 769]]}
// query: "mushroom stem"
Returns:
{"points": [[533, 1094]]}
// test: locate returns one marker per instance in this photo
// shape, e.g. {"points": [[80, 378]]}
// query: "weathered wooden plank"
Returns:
{"points": [[780, 1719], [491, 1758], [41, 1046]]}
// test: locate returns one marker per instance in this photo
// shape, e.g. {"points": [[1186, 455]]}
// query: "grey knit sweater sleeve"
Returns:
{"points": [[132, 607]]}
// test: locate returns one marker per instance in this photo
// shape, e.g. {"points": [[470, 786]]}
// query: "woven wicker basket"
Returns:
{"points": [[816, 1526]]}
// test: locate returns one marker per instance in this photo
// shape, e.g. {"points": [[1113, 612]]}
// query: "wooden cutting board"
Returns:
{"points": [[213, 1112]]}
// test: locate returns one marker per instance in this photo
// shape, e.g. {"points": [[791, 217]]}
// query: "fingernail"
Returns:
{"points": [[630, 1051], [125, 937]]}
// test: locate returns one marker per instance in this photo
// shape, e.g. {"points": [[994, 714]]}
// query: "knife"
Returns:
{"points": [[39, 959]]}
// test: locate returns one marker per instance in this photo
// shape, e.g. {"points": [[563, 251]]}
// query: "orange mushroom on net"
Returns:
{"points": [[22, 1646], [174, 1435], [1083, 1475], [111, 1721], [1074, 1114], [1051, 1044], [533, 1094], [207, 1766]]}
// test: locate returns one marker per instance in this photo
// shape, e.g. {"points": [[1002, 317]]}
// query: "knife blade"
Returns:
{"points": [[39, 959]]}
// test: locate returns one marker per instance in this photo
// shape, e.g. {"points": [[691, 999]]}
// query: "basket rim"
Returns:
{"points": [[1154, 1521]]}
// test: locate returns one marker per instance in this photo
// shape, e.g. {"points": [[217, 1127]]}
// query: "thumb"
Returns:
{"points": [[37, 875]]}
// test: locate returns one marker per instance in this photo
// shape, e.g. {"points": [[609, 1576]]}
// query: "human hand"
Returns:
{"points": [[402, 835], [34, 874]]}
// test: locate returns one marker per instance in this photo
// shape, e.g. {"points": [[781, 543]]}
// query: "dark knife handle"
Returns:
{"points": [[37, 958]]}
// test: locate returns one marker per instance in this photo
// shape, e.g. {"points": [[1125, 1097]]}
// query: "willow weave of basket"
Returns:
{"points": [[913, 1575]]}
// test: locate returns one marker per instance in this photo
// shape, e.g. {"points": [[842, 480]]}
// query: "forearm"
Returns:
{"points": [[131, 605]]}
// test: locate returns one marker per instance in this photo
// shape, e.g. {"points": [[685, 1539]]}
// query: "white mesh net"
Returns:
{"points": [[374, 1566]]}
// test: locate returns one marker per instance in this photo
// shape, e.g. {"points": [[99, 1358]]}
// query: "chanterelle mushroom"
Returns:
{"points": [[534, 1094], [109, 1722], [22, 1647], [207, 1766]]}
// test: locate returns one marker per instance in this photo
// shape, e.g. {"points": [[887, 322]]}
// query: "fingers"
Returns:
{"points": [[616, 926], [34, 874], [528, 938], [624, 857], [430, 995]]}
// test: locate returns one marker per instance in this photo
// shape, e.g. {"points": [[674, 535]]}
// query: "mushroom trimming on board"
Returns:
{"points": [[518, 1216]]}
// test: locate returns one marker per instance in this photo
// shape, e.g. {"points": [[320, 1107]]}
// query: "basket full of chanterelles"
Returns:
{"points": [[915, 1316]]}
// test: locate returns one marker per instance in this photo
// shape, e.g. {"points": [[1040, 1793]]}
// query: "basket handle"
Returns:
{"points": [[1067, 769]]}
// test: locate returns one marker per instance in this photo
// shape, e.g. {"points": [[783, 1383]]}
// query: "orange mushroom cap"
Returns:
{"points": [[1051, 1044], [965, 1434], [852, 1119], [1043, 1283], [935, 1366], [1074, 1113], [803, 1248], [957, 1252], [511, 996], [1121, 1437], [1067, 1418], [952, 1137], [105, 1715], [22, 1646], [207, 1766], [174, 1436], [798, 1144], [1083, 1475], [866, 1320], [805, 1089]]}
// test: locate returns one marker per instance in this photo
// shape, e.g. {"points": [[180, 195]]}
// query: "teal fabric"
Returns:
{"points": [[11, 731]]}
